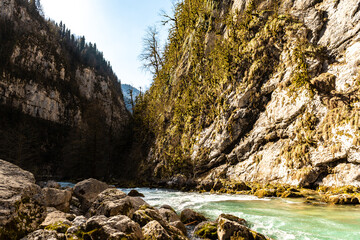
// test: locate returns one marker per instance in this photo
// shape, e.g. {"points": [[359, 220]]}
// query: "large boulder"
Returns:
{"points": [[135, 193], [52, 197], [169, 214], [206, 230], [117, 227], [189, 216], [145, 215], [19, 214], [154, 230], [26, 217], [56, 218], [232, 227], [112, 202], [86, 191], [43, 234], [172, 218]]}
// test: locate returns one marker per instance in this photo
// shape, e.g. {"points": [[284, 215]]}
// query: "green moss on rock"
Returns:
{"points": [[207, 231]]}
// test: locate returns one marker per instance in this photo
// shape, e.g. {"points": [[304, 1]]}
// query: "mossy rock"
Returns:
{"points": [[206, 230], [28, 215], [290, 194], [341, 199], [265, 193], [58, 227]]}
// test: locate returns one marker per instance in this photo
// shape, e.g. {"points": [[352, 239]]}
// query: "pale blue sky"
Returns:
{"points": [[116, 26]]}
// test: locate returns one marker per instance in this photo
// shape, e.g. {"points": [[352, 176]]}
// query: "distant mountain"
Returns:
{"points": [[129, 90]]}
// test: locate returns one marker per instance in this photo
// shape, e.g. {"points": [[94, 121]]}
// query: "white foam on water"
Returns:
{"points": [[285, 219]]}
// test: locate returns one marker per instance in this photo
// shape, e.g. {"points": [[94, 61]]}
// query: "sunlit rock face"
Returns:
{"points": [[271, 131]]}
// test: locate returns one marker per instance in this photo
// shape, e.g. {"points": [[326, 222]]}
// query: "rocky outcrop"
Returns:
{"points": [[16, 189], [50, 82], [296, 124]]}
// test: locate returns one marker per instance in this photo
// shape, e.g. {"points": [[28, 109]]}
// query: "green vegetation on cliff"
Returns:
{"points": [[214, 51]]}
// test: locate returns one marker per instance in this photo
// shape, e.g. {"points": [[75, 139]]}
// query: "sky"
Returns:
{"points": [[116, 26]]}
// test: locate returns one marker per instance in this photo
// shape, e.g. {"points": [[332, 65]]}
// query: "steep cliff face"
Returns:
{"points": [[273, 89], [61, 89]]}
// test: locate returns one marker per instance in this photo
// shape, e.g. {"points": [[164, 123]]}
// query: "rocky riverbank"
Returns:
{"points": [[94, 210], [346, 195]]}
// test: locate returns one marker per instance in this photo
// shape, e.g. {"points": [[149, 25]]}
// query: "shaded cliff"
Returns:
{"points": [[62, 110], [257, 91]]}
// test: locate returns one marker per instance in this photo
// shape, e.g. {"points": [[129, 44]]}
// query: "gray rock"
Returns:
{"points": [[189, 216], [169, 215], [177, 181], [113, 202], [230, 226], [86, 191], [18, 212], [176, 229], [179, 225], [57, 217], [78, 224], [116, 227], [135, 193], [42, 234], [52, 184], [154, 230], [52, 197], [144, 216], [172, 218], [344, 174], [14, 183]]}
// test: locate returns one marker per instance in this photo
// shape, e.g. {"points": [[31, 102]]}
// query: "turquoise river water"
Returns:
{"points": [[274, 217], [281, 219]]}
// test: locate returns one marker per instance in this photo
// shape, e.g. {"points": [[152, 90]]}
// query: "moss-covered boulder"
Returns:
{"points": [[26, 218], [261, 193], [206, 230], [291, 194], [341, 199], [232, 227]]}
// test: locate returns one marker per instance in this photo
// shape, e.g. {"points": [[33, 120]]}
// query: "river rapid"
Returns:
{"points": [[281, 219], [275, 217]]}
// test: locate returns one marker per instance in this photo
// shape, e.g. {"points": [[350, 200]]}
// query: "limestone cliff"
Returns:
{"points": [[258, 91], [61, 104]]}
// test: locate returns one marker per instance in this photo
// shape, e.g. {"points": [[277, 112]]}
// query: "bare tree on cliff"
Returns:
{"points": [[151, 55]]}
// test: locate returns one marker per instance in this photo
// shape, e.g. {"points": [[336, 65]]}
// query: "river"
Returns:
{"points": [[281, 219], [275, 217]]}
